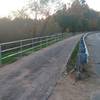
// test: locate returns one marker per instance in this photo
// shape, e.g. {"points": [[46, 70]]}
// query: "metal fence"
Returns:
{"points": [[15, 49], [82, 57]]}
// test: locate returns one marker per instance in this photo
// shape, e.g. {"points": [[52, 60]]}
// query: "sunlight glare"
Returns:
{"points": [[7, 6]]}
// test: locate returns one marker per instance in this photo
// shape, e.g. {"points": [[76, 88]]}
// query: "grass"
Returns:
{"points": [[73, 59]]}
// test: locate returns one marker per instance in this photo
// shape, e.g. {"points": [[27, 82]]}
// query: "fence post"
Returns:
{"points": [[32, 45], [41, 41], [62, 35], [55, 38], [50, 39], [0, 56], [58, 37], [32, 42], [47, 40], [20, 48]]}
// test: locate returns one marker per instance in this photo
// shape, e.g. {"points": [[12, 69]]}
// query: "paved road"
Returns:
{"points": [[93, 41], [33, 77]]}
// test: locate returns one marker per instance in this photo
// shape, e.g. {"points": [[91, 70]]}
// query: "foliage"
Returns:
{"points": [[73, 58], [77, 17]]}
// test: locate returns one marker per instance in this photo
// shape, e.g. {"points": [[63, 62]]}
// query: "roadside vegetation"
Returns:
{"points": [[73, 59]]}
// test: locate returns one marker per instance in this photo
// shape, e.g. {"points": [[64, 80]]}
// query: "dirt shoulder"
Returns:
{"points": [[68, 89]]}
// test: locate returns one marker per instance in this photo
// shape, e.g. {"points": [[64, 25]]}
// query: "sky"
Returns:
{"points": [[7, 6], [95, 4]]}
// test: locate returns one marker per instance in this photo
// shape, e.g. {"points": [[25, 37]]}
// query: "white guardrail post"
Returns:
{"points": [[0, 55]]}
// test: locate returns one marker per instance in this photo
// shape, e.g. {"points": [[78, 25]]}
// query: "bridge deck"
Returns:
{"points": [[33, 77]]}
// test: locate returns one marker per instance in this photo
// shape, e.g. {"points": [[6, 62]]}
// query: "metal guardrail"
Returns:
{"points": [[82, 57], [18, 48]]}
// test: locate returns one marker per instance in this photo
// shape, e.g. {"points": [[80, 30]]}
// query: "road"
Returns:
{"points": [[93, 41], [33, 77]]}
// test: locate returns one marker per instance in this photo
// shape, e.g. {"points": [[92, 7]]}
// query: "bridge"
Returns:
{"points": [[33, 77]]}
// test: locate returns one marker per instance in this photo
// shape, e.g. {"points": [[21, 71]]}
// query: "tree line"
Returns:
{"points": [[77, 17]]}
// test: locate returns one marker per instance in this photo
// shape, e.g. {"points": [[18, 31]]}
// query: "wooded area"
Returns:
{"points": [[77, 17]]}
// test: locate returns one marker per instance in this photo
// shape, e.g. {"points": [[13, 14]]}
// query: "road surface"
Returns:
{"points": [[33, 77], [93, 41]]}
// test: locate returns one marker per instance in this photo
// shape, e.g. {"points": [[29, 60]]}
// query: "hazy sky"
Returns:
{"points": [[95, 4], [6, 6]]}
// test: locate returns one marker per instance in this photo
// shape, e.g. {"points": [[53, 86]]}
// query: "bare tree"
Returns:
{"points": [[43, 8], [20, 14], [36, 6]]}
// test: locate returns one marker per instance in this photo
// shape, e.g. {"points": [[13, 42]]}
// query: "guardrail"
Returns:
{"points": [[13, 50], [82, 57]]}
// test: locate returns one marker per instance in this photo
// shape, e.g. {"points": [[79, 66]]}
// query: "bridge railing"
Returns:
{"points": [[11, 51], [82, 57]]}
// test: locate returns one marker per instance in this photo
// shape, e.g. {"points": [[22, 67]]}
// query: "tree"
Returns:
{"points": [[20, 14], [52, 26], [42, 8], [36, 7]]}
